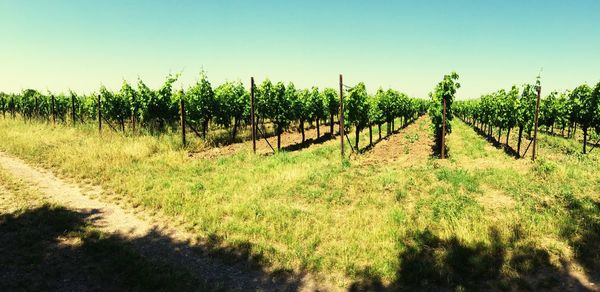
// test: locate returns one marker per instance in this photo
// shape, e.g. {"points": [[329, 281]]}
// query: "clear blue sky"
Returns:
{"points": [[408, 45]]}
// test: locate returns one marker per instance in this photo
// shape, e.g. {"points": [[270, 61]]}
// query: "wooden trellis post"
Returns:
{"points": [[252, 117], [37, 110], [53, 111], [182, 115], [444, 130], [537, 112], [341, 118], [99, 114], [73, 109], [12, 109], [133, 113]]}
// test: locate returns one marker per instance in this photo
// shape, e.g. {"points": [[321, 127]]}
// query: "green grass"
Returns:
{"points": [[44, 246], [479, 219]]}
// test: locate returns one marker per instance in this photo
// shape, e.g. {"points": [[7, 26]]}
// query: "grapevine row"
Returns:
{"points": [[225, 106], [505, 110], [441, 112]]}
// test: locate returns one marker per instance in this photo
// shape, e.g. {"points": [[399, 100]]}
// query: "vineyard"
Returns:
{"points": [[506, 110], [226, 107], [423, 202], [300, 146]]}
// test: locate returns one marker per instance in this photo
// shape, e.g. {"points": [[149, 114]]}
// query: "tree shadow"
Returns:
{"points": [[386, 137], [436, 152], [583, 232], [429, 262], [508, 150], [53, 248], [558, 135], [309, 142], [223, 137]]}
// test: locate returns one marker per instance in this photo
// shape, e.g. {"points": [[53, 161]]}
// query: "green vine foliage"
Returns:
{"points": [[280, 110], [445, 90], [115, 106], [158, 108], [273, 104], [596, 98], [332, 101], [201, 104], [3, 103], [317, 106], [27, 104], [62, 105], [129, 96], [299, 105], [586, 105], [356, 109], [227, 105], [508, 109], [232, 105], [376, 113]]}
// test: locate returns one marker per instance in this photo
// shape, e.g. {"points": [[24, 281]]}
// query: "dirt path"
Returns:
{"points": [[407, 147], [175, 247], [290, 141]]}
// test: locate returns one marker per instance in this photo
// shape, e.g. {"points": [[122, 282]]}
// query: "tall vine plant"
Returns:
{"points": [[444, 91]]}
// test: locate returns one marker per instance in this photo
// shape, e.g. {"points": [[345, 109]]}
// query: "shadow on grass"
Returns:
{"points": [[308, 142], [508, 150], [223, 138], [436, 152], [583, 232], [386, 137], [53, 248], [554, 134], [429, 262]]}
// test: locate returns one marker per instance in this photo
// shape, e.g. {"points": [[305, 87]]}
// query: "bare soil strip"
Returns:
{"points": [[290, 141], [407, 147], [175, 247]]}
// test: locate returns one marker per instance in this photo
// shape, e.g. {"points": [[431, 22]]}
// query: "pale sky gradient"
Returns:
{"points": [[408, 45]]}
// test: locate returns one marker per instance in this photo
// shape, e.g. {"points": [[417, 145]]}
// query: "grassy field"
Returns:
{"points": [[391, 217]]}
